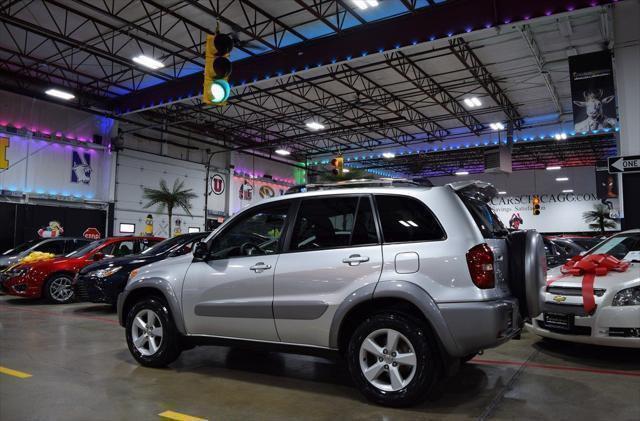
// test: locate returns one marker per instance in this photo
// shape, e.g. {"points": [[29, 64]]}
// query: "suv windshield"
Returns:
{"points": [[486, 219], [86, 249], [22, 247], [170, 244], [623, 247]]}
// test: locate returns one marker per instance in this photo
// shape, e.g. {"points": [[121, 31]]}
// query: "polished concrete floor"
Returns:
{"points": [[80, 369]]}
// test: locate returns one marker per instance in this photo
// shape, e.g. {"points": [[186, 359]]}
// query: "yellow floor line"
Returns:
{"points": [[14, 373], [179, 417]]}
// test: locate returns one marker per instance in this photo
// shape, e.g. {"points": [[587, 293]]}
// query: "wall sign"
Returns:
{"points": [[52, 230], [217, 184], [266, 192], [92, 233], [4, 145], [81, 167], [624, 164]]}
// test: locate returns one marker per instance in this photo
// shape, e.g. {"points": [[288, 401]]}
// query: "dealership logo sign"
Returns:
{"points": [[266, 192], [217, 184], [91, 234], [81, 167]]}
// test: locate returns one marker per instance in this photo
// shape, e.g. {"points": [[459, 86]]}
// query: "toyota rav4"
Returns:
{"points": [[403, 280]]}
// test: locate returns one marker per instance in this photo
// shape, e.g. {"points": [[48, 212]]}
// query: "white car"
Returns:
{"points": [[616, 318]]}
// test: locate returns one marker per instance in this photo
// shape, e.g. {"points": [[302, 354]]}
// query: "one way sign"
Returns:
{"points": [[624, 164]]}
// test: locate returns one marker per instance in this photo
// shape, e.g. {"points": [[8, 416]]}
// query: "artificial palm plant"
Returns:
{"points": [[599, 218], [169, 199]]}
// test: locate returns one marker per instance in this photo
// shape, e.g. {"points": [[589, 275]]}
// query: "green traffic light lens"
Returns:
{"points": [[220, 90]]}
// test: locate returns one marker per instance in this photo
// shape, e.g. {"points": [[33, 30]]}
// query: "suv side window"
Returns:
{"points": [[405, 219], [329, 222], [54, 246], [256, 232]]}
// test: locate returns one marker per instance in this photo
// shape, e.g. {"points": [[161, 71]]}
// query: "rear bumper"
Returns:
{"points": [[479, 325]]}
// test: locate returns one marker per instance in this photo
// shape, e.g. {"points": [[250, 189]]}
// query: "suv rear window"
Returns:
{"points": [[486, 219], [405, 219]]}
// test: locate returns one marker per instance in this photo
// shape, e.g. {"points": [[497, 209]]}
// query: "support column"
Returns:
{"points": [[626, 16]]}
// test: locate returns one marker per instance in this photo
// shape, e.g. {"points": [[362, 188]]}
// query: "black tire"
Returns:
{"points": [[50, 286], [428, 365], [169, 349]]}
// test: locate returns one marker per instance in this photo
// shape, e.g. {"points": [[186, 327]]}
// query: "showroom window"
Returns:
{"points": [[404, 219], [328, 223], [256, 233]]}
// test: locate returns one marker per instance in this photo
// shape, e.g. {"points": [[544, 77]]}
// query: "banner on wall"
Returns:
{"points": [[249, 191], [593, 91], [561, 212]]}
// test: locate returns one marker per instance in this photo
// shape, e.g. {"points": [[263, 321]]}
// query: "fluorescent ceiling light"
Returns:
{"points": [[472, 102], [562, 179], [496, 126], [413, 224], [314, 125], [502, 192], [554, 168], [462, 172], [389, 155], [404, 223], [345, 170], [283, 152], [567, 191], [148, 62], [365, 4], [59, 94]]}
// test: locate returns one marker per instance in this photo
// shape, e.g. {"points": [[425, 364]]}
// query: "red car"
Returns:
{"points": [[52, 278]]}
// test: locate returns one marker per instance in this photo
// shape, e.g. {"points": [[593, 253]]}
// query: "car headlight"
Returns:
{"points": [[104, 273], [11, 273], [627, 297]]}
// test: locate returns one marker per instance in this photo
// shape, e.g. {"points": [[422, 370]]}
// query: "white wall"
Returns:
{"points": [[137, 170]]}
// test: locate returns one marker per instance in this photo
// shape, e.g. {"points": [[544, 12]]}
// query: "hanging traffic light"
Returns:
{"points": [[217, 69], [338, 165], [535, 201]]}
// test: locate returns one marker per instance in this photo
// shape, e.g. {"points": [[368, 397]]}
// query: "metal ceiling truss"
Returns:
{"points": [[470, 60]]}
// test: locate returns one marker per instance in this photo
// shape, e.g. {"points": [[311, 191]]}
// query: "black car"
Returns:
{"points": [[101, 282]]}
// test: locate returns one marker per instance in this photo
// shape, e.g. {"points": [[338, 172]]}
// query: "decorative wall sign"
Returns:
{"points": [[4, 145], [91, 234], [148, 225], [54, 229], [81, 167], [246, 191], [217, 184], [266, 192], [177, 229], [593, 91]]}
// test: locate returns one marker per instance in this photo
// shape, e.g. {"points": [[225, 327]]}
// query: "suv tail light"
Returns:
{"points": [[480, 262]]}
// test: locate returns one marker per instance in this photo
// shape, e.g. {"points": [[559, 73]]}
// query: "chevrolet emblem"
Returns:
{"points": [[559, 298]]}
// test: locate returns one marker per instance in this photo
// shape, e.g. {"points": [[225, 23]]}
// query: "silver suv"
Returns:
{"points": [[401, 279]]}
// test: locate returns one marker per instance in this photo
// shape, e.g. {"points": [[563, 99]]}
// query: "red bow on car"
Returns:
{"points": [[589, 267]]}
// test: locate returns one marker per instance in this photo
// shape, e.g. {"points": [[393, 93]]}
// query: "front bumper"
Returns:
{"points": [[480, 325], [99, 290], [21, 286], [605, 327]]}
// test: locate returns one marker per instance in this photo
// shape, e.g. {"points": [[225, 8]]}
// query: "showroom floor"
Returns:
{"points": [[80, 368]]}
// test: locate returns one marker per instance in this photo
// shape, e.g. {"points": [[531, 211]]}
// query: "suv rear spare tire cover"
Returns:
{"points": [[527, 270]]}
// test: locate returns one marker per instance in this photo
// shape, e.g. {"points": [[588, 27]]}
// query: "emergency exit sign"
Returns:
{"points": [[624, 164]]}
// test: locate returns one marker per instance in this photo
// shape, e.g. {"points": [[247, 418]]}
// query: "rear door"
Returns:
{"points": [[333, 250]]}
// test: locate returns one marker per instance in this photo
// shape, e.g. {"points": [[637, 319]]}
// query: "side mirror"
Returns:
{"points": [[98, 256], [200, 251]]}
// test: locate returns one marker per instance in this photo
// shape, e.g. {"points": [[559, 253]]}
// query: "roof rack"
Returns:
{"points": [[378, 182]]}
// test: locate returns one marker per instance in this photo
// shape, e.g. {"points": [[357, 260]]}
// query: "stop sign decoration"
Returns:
{"points": [[91, 234]]}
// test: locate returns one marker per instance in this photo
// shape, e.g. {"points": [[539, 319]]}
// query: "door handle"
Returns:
{"points": [[355, 259], [259, 267]]}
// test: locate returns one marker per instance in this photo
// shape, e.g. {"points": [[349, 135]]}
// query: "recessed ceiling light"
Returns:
{"points": [[314, 125], [345, 170], [562, 179], [554, 168], [496, 126], [560, 136], [59, 94], [283, 152], [389, 155], [567, 191], [502, 192], [472, 102], [149, 62], [462, 172]]}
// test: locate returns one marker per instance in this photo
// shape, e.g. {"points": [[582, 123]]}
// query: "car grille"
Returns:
{"points": [[576, 309], [81, 290], [624, 332], [573, 291], [575, 330]]}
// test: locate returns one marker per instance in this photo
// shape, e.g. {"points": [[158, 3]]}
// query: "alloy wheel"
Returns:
{"points": [[388, 360], [60, 289], [146, 332]]}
